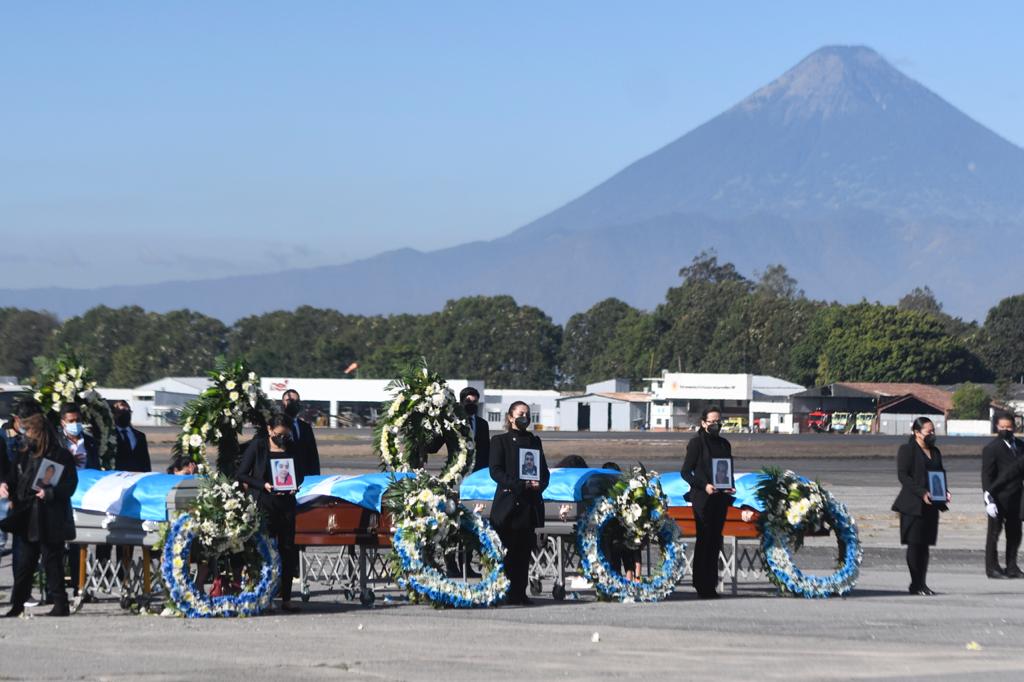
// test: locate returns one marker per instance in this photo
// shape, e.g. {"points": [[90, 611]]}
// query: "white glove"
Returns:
{"points": [[990, 506]]}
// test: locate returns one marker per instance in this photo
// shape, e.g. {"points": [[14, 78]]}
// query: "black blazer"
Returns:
{"points": [[525, 508], [49, 519], [912, 467], [128, 459], [307, 456], [482, 440], [696, 471], [254, 471], [996, 461]]}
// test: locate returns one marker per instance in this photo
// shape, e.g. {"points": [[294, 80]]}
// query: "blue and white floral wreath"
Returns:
{"points": [[792, 506], [640, 507], [192, 601]]}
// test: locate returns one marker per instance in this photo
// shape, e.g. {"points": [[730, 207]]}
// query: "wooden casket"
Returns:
{"points": [[343, 510]]}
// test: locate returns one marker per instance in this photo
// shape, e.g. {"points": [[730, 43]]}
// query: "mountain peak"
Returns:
{"points": [[832, 80]]}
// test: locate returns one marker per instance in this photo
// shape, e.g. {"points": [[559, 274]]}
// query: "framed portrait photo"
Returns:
{"points": [[721, 473], [529, 464], [48, 474], [937, 485], [282, 474]]}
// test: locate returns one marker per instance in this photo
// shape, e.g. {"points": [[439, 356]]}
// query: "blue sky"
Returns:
{"points": [[143, 142]]}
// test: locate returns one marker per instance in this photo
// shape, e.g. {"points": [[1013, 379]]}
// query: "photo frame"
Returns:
{"points": [[49, 474], [937, 486], [721, 473], [282, 474], [529, 464]]}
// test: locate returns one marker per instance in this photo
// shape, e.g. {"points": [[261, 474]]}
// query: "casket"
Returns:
{"points": [[126, 508], [343, 510]]}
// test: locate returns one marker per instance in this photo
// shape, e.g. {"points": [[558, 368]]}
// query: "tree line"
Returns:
{"points": [[714, 320]]}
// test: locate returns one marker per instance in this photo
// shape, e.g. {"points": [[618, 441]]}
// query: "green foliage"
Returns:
{"points": [[873, 342], [970, 401], [24, 334], [1001, 340]]}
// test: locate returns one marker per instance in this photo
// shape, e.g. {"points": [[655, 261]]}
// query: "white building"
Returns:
{"points": [[158, 402], [344, 402], [543, 407], [679, 397], [605, 406]]}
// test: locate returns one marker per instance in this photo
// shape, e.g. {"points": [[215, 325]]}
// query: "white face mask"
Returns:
{"points": [[73, 430]]}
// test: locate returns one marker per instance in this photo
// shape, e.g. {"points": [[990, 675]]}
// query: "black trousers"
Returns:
{"points": [[710, 522], [917, 562], [25, 571], [281, 526], [519, 546], [1012, 525]]}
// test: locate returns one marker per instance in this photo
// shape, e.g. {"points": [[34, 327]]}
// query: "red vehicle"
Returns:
{"points": [[819, 421]]}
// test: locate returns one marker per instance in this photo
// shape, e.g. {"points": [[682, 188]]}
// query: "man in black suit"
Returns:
{"points": [[83, 447], [306, 454], [1003, 502], [132, 447], [470, 399]]}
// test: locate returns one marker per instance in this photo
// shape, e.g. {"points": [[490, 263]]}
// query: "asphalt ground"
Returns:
{"points": [[974, 626]]}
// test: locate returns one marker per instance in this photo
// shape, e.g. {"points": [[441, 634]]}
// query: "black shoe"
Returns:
{"points": [[709, 595], [15, 612], [288, 607], [1014, 572], [997, 574], [526, 602], [60, 610], [926, 591]]}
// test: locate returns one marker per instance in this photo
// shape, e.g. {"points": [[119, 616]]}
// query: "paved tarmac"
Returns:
{"points": [[974, 627]]}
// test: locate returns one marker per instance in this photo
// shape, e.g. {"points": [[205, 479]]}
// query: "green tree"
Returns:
{"points": [[98, 334], [24, 334], [970, 401], [586, 341], [1001, 342], [872, 342]]}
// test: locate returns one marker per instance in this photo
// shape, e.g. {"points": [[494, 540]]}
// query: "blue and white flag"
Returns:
{"points": [[125, 493]]}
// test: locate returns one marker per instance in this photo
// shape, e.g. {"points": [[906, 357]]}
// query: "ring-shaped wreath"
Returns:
{"points": [[638, 507], [792, 506], [192, 601], [431, 584]]}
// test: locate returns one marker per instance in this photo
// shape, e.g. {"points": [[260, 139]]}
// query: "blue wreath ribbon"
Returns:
{"points": [[606, 579], [438, 588], [191, 601]]}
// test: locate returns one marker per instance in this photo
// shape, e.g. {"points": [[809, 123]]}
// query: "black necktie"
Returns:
{"points": [[127, 440]]}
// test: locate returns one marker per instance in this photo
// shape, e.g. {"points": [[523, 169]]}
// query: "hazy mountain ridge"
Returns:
{"points": [[863, 182]]}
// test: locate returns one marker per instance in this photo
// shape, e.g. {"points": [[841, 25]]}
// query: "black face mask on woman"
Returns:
{"points": [[282, 440], [929, 440], [523, 422], [714, 429]]}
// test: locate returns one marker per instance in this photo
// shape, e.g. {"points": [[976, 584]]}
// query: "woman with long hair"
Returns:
{"points": [[279, 505], [518, 466], [40, 512], [919, 512]]}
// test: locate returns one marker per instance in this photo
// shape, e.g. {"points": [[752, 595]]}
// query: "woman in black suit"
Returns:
{"points": [[919, 513], [710, 504], [518, 508], [278, 505], [42, 519]]}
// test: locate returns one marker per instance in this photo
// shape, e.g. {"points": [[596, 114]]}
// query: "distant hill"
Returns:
{"points": [[860, 180]]}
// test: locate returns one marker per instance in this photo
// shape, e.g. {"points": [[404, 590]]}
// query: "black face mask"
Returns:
{"points": [[282, 441], [470, 408], [929, 440], [1006, 434], [523, 422], [714, 429], [123, 419], [292, 409]]}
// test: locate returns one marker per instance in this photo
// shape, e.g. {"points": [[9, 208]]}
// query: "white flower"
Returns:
{"points": [[233, 396], [230, 385], [195, 440], [39, 397]]}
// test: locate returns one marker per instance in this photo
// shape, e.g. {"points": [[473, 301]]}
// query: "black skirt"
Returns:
{"points": [[920, 530]]}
